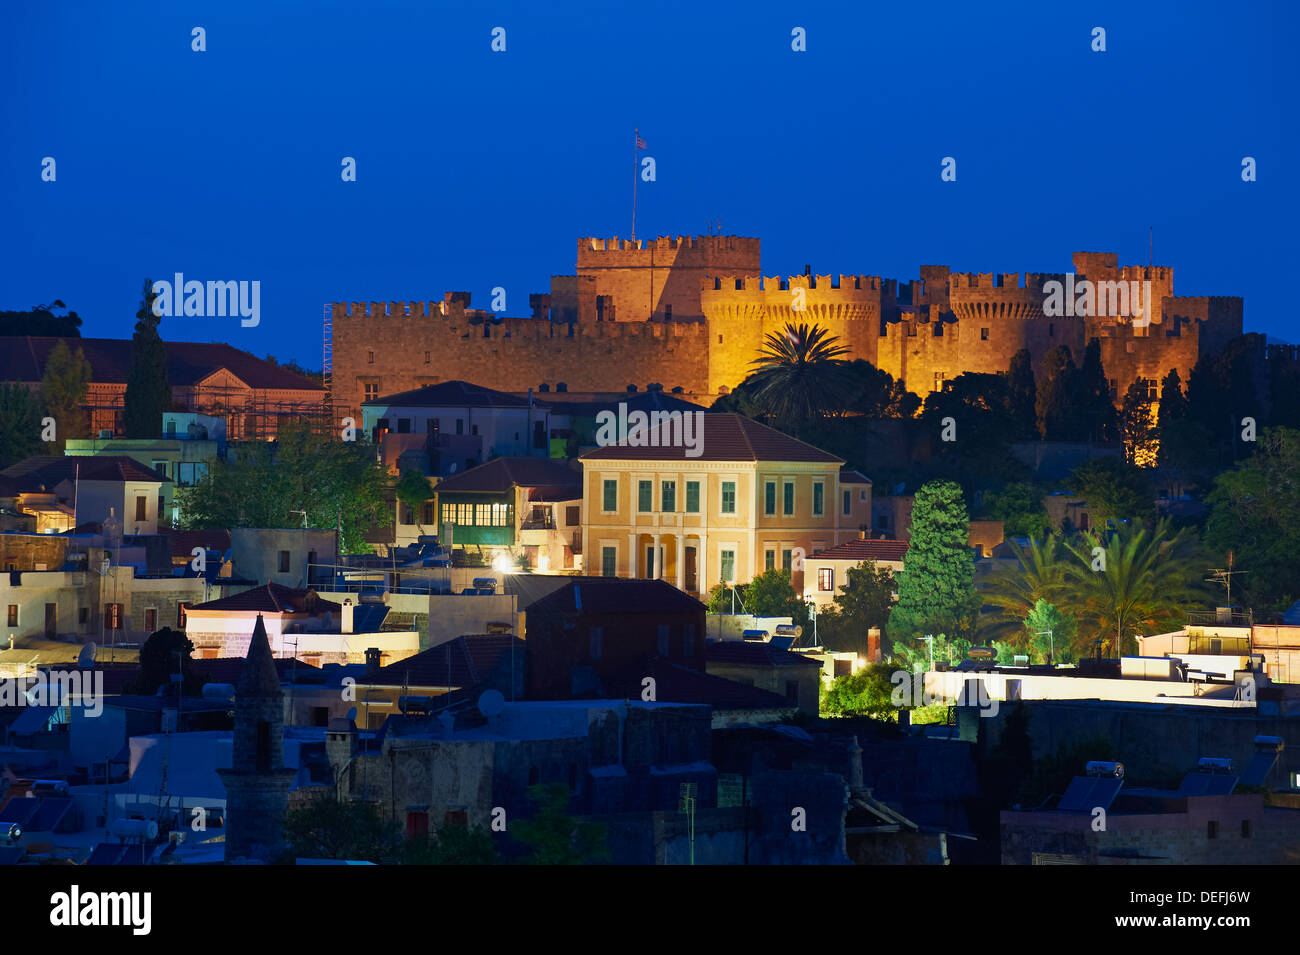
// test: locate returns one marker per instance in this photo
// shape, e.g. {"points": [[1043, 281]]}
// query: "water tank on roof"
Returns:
{"points": [[146, 829], [754, 635]]}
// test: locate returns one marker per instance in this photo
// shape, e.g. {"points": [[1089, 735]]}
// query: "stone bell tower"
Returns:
{"points": [[257, 784]]}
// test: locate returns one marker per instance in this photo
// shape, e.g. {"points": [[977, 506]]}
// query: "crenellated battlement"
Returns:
{"points": [[866, 287], [668, 243]]}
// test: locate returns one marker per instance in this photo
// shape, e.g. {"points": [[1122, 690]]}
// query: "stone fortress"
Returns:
{"points": [[691, 313]]}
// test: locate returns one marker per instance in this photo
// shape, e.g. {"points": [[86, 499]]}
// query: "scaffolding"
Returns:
{"points": [[250, 413]]}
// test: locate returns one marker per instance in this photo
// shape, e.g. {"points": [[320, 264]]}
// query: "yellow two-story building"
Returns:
{"points": [[739, 499]]}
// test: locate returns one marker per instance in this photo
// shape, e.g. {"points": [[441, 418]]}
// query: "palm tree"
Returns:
{"points": [[801, 375], [1041, 573], [1135, 579]]}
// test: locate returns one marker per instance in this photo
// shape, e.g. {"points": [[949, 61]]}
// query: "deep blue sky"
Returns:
{"points": [[478, 169]]}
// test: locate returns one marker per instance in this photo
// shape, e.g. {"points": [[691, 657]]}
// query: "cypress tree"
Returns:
{"points": [[1024, 395], [148, 393]]}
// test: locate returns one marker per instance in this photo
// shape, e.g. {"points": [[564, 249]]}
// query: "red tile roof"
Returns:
{"points": [[675, 683], [273, 598], [22, 358], [850, 476], [463, 662], [47, 471], [501, 474], [860, 550], [450, 394], [727, 437]]}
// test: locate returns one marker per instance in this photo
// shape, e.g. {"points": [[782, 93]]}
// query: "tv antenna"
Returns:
{"points": [[1224, 575]]}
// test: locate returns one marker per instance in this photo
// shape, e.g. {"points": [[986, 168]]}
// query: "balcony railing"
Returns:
{"points": [[1223, 618], [538, 524]]}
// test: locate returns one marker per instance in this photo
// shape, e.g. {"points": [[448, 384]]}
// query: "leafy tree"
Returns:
{"points": [[158, 661], [936, 589], [800, 375], [864, 601], [873, 393], [40, 320], [452, 845], [332, 828], [1056, 391], [869, 692], [1172, 421], [553, 836], [1023, 396], [63, 389], [1136, 428], [20, 424], [770, 594], [1045, 619], [270, 485], [978, 408], [1019, 506], [148, 393], [916, 654], [1255, 511], [414, 490], [1136, 580], [1114, 490]]}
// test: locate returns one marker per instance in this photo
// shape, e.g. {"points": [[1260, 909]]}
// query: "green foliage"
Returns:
{"points": [[302, 471], [148, 393], [1045, 618], [1055, 400], [1136, 429], [1093, 417], [873, 393], [868, 692], [452, 845], [552, 836], [936, 589], [1019, 506], [40, 320], [158, 663], [1255, 512], [800, 375], [914, 654], [980, 409], [1150, 578], [771, 594], [63, 389], [1023, 396], [1040, 573], [1114, 490], [20, 424], [413, 489], [864, 601], [331, 828]]}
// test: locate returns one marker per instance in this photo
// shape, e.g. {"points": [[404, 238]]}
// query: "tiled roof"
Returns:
{"points": [[451, 394], [850, 476], [876, 549], [754, 653], [463, 662], [588, 406], [23, 359], [47, 471], [273, 598], [727, 437], [499, 475], [678, 684], [230, 669], [613, 595]]}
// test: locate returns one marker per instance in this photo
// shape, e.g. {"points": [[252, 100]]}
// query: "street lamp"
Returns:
{"points": [[1051, 645], [929, 638]]}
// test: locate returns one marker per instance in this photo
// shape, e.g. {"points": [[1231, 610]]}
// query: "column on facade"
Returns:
{"points": [[631, 556], [658, 568], [681, 561], [701, 569]]}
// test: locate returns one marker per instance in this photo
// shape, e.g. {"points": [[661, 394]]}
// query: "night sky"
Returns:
{"points": [[478, 169]]}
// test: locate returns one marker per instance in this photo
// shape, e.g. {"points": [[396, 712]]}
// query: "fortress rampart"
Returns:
{"points": [[693, 312]]}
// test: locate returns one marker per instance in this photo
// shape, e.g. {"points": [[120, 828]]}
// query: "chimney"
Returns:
{"points": [[372, 661], [346, 625], [873, 645], [864, 534]]}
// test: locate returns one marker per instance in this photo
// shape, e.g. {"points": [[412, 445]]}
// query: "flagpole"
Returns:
{"points": [[636, 138]]}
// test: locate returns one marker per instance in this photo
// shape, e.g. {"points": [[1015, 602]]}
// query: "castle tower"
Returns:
{"points": [[742, 311], [257, 784], [659, 280]]}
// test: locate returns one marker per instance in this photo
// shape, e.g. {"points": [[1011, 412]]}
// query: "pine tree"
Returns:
{"points": [[148, 393], [1135, 426], [63, 388], [1024, 395], [936, 589], [20, 424]]}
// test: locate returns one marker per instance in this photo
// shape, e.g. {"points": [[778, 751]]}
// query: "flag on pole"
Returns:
{"points": [[640, 143]]}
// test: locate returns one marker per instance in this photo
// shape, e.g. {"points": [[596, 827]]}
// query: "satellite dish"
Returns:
{"points": [[491, 703], [86, 658]]}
